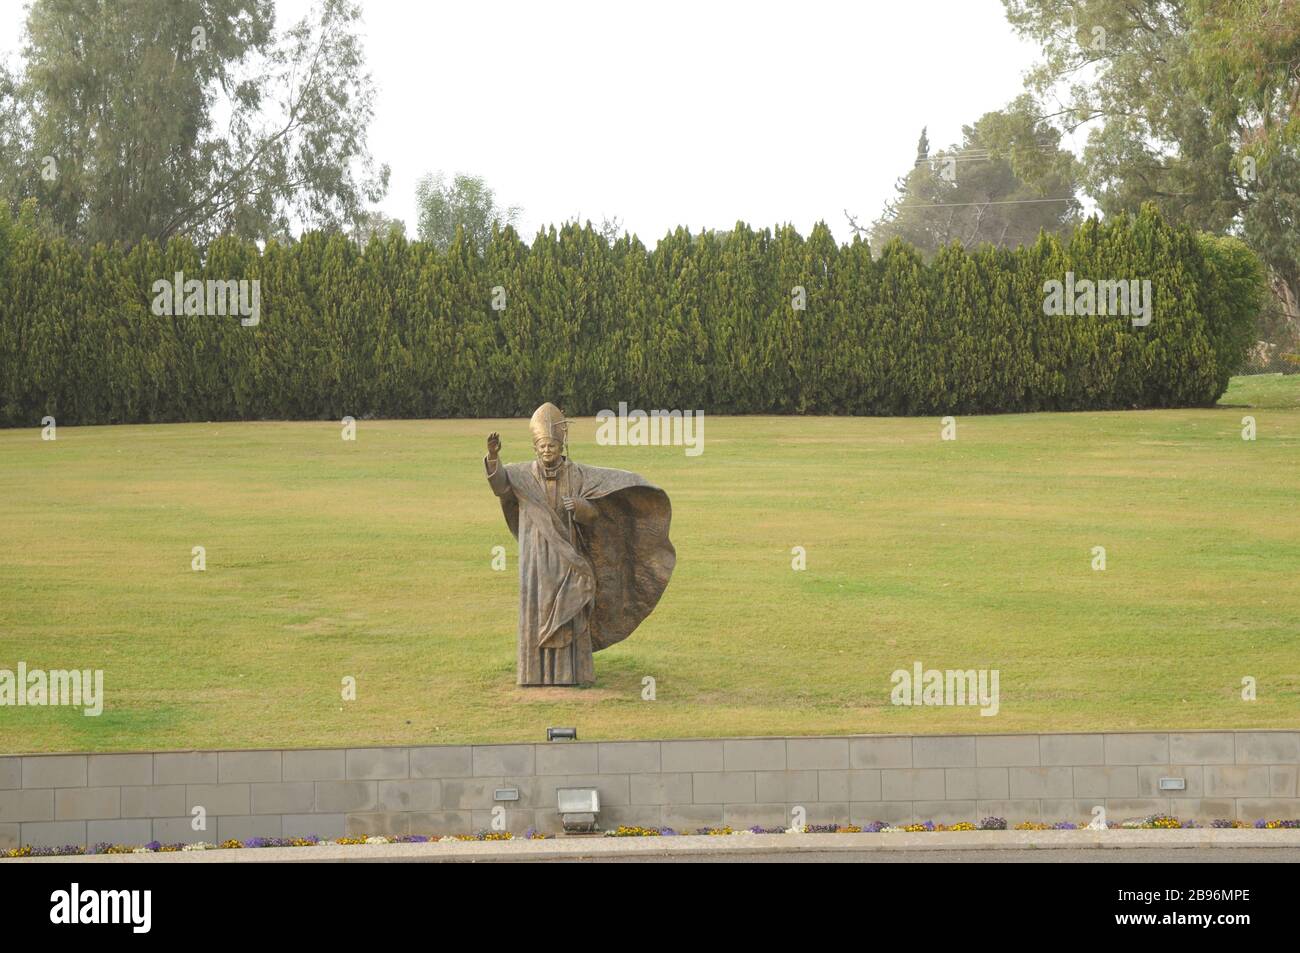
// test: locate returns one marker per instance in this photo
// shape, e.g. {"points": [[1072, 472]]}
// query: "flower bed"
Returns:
{"points": [[1154, 822]]}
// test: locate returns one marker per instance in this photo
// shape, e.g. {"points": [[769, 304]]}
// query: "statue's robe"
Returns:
{"points": [[582, 588]]}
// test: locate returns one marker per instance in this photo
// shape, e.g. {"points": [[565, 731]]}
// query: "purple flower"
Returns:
{"points": [[1220, 823], [993, 824]]}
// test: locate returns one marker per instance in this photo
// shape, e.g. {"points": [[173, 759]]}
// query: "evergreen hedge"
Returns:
{"points": [[701, 322]]}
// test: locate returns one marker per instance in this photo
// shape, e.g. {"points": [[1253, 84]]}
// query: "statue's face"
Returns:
{"points": [[548, 450]]}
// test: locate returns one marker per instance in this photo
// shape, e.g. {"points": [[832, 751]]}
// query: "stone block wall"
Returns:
{"points": [[61, 799]]}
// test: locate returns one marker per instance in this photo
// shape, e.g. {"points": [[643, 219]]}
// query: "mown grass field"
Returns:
{"points": [[372, 559]]}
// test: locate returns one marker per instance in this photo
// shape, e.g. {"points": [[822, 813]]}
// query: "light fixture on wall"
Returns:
{"points": [[578, 808]]}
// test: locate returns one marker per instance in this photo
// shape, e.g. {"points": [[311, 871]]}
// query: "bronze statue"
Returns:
{"points": [[594, 553]]}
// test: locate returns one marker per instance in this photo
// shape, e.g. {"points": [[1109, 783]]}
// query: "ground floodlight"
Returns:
{"points": [[578, 808]]}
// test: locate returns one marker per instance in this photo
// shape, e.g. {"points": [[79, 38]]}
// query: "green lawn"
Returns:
{"points": [[372, 559]]}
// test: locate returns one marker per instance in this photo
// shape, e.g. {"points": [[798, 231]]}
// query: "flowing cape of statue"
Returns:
{"points": [[622, 567]]}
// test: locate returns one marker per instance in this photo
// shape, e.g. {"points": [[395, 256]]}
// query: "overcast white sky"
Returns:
{"points": [[665, 113]]}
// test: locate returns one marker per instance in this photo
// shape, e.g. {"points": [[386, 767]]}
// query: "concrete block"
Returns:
{"points": [[236, 766], [1124, 809], [1075, 810], [26, 806], [450, 823], [443, 761], [376, 764], [1012, 810], [832, 785], [1282, 780], [1149, 776], [54, 771], [550, 823], [501, 761], [1237, 781], [422, 795], [1205, 810], [1005, 751], [828, 812], [1098, 782], [11, 774], [976, 784], [324, 826], [724, 787], [1137, 748], [106, 770], [615, 789], [1071, 750], [864, 785], [378, 824], [53, 833], [945, 811], [1267, 808], [880, 752], [630, 815], [134, 832], [188, 767], [819, 754], [9, 834], [744, 816], [1266, 747], [466, 794], [563, 758], [346, 797], [153, 800], [687, 818], [246, 828], [912, 784], [84, 804], [1049, 782], [789, 787], [283, 797], [628, 757], [518, 821], [943, 752], [756, 754], [896, 813], [217, 799], [180, 830], [314, 765], [660, 788], [1202, 747], [689, 756]]}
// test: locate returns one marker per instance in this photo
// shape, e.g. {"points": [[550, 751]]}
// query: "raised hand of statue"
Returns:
{"points": [[493, 445]]}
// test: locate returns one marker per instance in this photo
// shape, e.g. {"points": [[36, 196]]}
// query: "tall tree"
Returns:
{"points": [[153, 118], [466, 202], [1007, 180], [1190, 104]]}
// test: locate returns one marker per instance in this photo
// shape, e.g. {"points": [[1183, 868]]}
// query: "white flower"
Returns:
{"points": [[200, 845], [141, 850], [377, 840], [447, 839], [891, 830], [797, 829]]}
